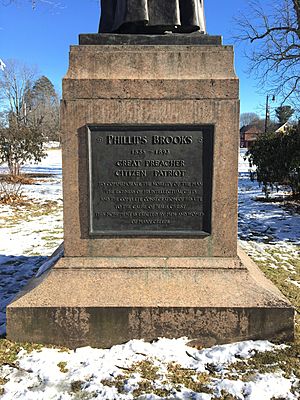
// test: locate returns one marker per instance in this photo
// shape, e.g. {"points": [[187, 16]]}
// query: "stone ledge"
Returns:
{"points": [[105, 288], [150, 263], [170, 89], [105, 39]]}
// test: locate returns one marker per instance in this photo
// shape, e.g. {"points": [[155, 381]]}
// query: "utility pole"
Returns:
{"points": [[267, 119]]}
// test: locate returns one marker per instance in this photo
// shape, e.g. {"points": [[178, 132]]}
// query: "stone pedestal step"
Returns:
{"points": [[91, 302]]}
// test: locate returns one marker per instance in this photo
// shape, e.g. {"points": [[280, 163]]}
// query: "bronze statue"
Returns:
{"points": [[152, 16]]}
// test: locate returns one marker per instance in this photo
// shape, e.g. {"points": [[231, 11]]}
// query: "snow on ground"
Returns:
{"points": [[261, 221], [266, 222], [46, 188], [243, 162], [35, 229], [144, 371], [30, 233], [269, 232]]}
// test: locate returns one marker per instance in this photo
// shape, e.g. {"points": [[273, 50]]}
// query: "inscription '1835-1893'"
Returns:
{"points": [[150, 180]]}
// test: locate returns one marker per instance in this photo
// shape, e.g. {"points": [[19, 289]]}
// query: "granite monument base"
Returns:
{"points": [[108, 301], [174, 269]]}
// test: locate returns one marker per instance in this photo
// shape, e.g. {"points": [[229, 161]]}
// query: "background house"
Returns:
{"points": [[249, 133]]}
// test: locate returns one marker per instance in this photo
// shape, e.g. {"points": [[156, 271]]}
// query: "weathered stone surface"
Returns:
{"points": [[166, 39], [150, 85], [171, 89], [151, 62], [102, 302]]}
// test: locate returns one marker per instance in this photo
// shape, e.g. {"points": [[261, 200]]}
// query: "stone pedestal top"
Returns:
{"points": [[140, 61], [196, 38]]}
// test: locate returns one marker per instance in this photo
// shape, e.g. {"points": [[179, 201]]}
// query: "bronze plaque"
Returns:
{"points": [[150, 180]]}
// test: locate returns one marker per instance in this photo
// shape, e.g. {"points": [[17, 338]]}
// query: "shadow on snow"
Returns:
{"points": [[15, 272]]}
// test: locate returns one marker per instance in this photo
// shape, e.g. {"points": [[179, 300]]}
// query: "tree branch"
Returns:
{"points": [[274, 54]]}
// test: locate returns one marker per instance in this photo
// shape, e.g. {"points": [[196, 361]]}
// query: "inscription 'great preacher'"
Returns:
{"points": [[150, 180]]}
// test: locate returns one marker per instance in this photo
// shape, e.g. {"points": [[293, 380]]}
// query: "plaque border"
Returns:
{"points": [[208, 148]]}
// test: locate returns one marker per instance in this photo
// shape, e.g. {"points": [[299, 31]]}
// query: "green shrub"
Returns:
{"points": [[277, 160]]}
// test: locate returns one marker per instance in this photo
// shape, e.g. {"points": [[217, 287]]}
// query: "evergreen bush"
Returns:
{"points": [[277, 160]]}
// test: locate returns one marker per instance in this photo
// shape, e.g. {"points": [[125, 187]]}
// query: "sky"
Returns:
{"points": [[42, 37]]}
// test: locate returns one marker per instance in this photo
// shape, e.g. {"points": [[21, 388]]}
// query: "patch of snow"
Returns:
{"points": [[52, 145], [296, 283], [15, 272], [36, 233], [243, 162], [39, 376], [269, 386], [265, 222]]}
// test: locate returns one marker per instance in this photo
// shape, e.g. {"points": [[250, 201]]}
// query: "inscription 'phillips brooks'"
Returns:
{"points": [[136, 140]]}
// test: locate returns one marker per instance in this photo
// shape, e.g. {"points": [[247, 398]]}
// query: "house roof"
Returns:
{"points": [[252, 128], [281, 127]]}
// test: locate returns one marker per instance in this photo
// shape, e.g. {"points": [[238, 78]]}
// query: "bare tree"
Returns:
{"points": [[273, 32], [34, 3], [248, 117], [16, 80], [20, 136]]}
